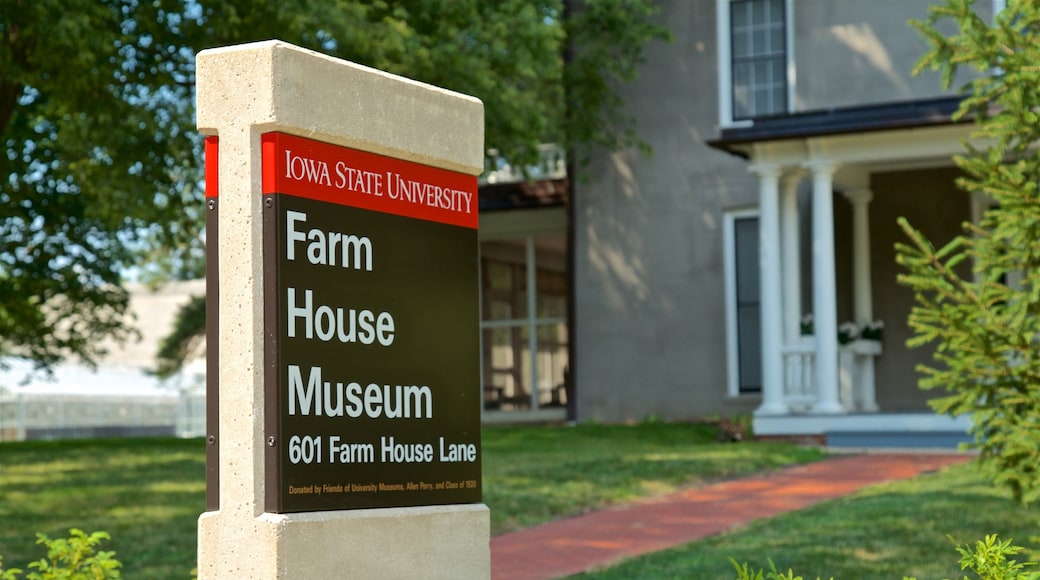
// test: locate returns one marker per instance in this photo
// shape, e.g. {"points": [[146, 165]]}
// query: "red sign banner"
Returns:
{"points": [[330, 173]]}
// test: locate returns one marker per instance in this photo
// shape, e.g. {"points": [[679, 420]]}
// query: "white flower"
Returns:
{"points": [[872, 330], [847, 332], [807, 324]]}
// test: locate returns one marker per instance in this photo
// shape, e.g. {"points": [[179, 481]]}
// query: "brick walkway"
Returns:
{"points": [[593, 540]]}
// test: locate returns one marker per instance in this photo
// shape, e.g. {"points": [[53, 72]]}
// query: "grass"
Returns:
{"points": [[537, 474], [148, 493], [886, 531]]}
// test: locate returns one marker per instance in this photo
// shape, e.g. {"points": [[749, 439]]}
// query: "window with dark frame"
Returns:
{"points": [[749, 354], [758, 40], [524, 350]]}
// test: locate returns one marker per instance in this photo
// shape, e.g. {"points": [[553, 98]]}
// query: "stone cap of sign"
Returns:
{"points": [[352, 105]]}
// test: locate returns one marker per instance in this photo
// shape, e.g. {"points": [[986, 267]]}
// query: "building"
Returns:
{"points": [[713, 278], [122, 396]]}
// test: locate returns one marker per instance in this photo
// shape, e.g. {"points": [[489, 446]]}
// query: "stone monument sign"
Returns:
{"points": [[343, 331]]}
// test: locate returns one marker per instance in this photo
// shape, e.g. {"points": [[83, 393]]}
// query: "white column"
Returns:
{"points": [[862, 294], [825, 303], [862, 290], [791, 258], [769, 290]]}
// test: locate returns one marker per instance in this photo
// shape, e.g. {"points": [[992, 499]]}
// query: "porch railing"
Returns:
{"points": [[855, 375], [800, 375], [552, 164]]}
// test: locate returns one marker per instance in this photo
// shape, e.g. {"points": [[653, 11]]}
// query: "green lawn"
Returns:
{"points": [[148, 493], [886, 531]]}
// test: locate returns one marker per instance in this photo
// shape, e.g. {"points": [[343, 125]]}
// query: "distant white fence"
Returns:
{"points": [[108, 403], [72, 416]]}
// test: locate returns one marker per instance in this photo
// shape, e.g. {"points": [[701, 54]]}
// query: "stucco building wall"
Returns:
{"points": [[648, 279], [850, 52], [649, 284]]}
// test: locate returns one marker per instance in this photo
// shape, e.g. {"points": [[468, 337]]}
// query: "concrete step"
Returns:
{"points": [[898, 439]]}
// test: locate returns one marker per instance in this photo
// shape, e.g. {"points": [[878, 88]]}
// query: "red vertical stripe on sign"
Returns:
{"points": [[267, 163], [212, 165]]}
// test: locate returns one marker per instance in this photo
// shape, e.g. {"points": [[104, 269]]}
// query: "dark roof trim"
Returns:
{"points": [[861, 119], [523, 194]]}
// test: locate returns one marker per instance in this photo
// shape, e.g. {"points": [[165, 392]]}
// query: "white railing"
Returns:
{"points": [[800, 375], [72, 416], [855, 374], [552, 164]]}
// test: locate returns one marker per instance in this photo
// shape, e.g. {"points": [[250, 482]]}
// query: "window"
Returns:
{"points": [[743, 318], [524, 333], [754, 51], [759, 58]]}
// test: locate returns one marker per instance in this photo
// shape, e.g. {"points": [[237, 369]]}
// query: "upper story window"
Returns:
{"points": [[754, 57], [759, 58]]}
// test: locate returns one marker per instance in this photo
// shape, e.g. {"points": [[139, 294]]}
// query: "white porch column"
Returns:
{"points": [[862, 294], [825, 303], [863, 301], [769, 290], [791, 258]]}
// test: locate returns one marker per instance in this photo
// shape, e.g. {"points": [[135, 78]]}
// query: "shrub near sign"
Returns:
{"points": [[372, 309]]}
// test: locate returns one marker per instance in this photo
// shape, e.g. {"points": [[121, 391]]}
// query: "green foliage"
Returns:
{"points": [[74, 558], [978, 297], [988, 560], [101, 171], [607, 39], [745, 572], [184, 338], [94, 124]]}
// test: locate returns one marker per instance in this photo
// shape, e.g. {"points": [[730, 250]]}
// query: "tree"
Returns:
{"points": [[978, 297], [102, 173]]}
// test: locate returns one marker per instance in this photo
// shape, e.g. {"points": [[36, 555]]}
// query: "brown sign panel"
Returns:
{"points": [[372, 324]]}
